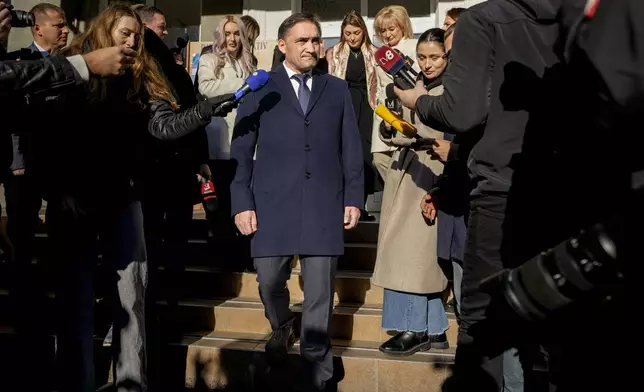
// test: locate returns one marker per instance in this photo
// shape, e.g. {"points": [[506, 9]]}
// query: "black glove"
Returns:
{"points": [[221, 105], [386, 133]]}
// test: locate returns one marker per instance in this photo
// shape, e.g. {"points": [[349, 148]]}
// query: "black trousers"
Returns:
{"points": [[23, 207], [169, 196], [486, 326], [234, 254], [78, 232]]}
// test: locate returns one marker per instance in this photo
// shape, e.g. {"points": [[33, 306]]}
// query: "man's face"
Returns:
{"points": [[301, 46], [52, 30], [157, 24]]}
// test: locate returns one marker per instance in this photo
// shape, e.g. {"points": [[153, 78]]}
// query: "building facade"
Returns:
{"points": [[197, 19]]}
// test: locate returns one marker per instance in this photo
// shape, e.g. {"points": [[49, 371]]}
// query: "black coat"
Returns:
{"points": [[94, 153], [192, 150], [53, 74], [308, 166]]}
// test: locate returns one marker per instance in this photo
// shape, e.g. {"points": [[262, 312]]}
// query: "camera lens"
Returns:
{"points": [[22, 18]]}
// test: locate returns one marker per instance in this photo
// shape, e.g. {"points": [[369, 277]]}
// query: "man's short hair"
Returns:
{"points": [[43, 8], [294, 19], [147, 12]]}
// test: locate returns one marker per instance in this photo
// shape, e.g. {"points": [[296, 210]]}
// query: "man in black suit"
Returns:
{"points": [[307, 185], [21, 188]]}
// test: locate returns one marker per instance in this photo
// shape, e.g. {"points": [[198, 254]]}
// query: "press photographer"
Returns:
{"points": [[586, 284]]}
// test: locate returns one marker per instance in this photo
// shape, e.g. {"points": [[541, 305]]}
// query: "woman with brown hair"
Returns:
{"points": [[89, 174], [352, 59], [252, 33]]}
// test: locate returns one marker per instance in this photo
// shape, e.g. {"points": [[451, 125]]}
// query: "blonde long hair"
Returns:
{"points": [[146, 73], [244, 56]]}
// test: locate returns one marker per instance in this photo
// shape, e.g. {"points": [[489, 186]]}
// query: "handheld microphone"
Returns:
{"points": [[396, 122], [209, 196], [391, 62], [254, 82], [409, 62], [392, 102]]}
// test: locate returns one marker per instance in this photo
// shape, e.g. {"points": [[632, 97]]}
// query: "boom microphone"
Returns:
{"points": [[395, 65], [254, 82]]}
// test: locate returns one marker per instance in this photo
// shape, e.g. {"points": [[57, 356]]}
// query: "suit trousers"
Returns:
{"points": [[318, 274], [23, 207], [73, 233], [478, 364]]}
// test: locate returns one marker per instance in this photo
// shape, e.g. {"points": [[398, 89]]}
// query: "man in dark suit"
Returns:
{"points": [[21, 187], [307, 178]]}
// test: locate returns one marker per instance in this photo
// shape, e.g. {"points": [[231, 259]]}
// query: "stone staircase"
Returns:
{"points": [[213, 330]]}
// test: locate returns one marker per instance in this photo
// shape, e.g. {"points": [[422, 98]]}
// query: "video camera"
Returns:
{"points": [[21, 18], [590, 265]]}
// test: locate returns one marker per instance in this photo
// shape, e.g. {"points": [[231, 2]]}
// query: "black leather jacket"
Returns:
{"points": [[186, 152], [28, 78], [96, 152]]}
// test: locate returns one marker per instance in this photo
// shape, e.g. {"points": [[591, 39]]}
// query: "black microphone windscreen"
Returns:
{"points": [[390, 91]]}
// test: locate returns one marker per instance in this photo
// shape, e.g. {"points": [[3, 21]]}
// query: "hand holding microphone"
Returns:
{"points": [[406, 129], [396, 121], [223, 104]]}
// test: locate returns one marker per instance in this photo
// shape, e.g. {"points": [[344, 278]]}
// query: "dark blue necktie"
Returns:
{"points": [[303, 92]]}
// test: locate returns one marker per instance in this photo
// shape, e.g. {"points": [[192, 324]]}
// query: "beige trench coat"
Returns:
{"points": [[407, 257]]}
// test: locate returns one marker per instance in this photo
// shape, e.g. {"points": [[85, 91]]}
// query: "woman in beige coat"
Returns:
{"points": [[393, 28], [407, 261]]}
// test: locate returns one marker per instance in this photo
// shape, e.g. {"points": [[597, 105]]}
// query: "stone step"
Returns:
{"points": [[350, 321], [236, 361], [35, 355], [226, 253], [205, 282], [357, 256], [209, 282]]}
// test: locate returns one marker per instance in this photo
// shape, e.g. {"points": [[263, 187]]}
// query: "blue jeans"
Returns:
{"points": [[413, 312]]}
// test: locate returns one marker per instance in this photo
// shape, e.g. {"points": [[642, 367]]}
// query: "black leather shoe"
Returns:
{"points": [[280, 341], [408, 343], [439, 341]]}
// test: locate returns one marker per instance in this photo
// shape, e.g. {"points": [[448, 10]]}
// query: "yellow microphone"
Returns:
{"points": [[396, 121]]}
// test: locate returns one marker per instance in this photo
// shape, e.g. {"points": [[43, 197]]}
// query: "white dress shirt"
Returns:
{"points": [[295, 83], [40, 48]]}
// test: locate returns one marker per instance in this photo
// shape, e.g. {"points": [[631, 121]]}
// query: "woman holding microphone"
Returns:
{"points": [[407, 262], [393, 28]]}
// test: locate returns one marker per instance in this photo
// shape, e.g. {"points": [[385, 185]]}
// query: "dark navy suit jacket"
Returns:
{"points": [[308, 166]]}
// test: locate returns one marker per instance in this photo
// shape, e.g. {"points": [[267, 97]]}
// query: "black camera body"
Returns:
{"points": [[21, 18]]}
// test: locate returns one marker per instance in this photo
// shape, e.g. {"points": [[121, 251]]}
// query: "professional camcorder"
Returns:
{"points": [[590, 265], [21, 18]]}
